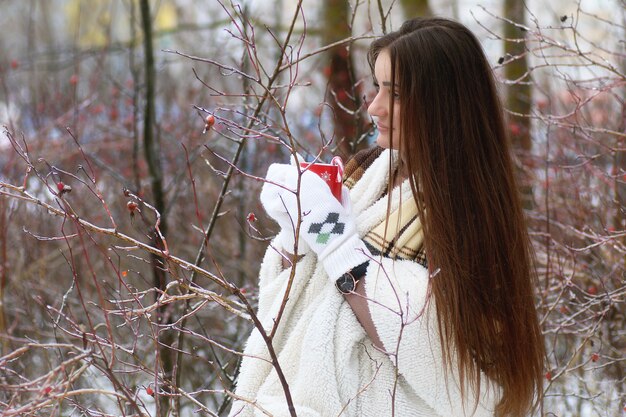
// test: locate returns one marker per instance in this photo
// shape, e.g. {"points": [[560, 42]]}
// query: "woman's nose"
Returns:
{"points": [[377, 107]]}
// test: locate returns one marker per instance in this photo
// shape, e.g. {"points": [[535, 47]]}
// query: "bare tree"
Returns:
{"points": [[519, 91]]}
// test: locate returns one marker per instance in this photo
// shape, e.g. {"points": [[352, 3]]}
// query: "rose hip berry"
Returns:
{"points": [[63, 188], [208, 123]]}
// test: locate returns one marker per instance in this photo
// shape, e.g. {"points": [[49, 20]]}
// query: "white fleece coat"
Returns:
{"points": [[329, 362]]}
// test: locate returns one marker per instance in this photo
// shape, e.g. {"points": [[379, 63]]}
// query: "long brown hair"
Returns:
{"points": [[454, 147]]}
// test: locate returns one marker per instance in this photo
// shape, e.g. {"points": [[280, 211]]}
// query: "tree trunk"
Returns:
{"points": [[341, 95], [518, 95], [152, 154], [415, 8]]}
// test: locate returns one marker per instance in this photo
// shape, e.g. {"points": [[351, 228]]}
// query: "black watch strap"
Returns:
{"points": [[347, 282], [360, 270]]}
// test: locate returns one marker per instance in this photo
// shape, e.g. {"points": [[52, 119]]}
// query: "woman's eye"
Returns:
{"points": [[396, 95]]}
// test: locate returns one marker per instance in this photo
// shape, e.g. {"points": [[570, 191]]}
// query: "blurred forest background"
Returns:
{"points": [[134, 130]]}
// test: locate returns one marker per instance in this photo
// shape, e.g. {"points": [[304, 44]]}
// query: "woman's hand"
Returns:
{"points": [[327, 227], [273, 200]]}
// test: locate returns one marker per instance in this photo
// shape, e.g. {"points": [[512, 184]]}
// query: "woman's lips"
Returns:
{"points": [[382, 128]]}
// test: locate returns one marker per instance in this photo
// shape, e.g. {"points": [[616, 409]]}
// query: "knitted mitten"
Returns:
{"points": [[327, 226], [274, 205]]}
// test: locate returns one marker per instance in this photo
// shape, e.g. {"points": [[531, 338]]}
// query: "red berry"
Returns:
{"points": [[74, 79], [592, 290], [132, 208], [47, 390], [595, 357], [549, 376], [209, 122], [150, 391], [63, 188], [251, 217], [15, 64], [243, 290]]}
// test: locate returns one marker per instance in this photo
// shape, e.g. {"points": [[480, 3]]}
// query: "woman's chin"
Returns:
{"points": [[382, 140]]}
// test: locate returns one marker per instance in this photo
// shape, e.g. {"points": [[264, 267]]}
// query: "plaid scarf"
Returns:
{"points": [[400, 234]]}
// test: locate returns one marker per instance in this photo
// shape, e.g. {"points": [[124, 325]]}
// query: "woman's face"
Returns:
{"points": [[380, 108]]}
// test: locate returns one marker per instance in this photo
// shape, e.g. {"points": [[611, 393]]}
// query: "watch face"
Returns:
{"points": [[345, 283]]}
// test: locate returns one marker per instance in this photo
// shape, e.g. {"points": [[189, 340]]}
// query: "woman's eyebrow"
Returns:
{"points": [[388, 84], [384, 83]]}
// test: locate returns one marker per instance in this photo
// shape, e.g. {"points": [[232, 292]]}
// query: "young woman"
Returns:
{"points": [[414, 296]]}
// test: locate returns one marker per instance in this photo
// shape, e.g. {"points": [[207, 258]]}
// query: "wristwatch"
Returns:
{"points": [[347, 282]]}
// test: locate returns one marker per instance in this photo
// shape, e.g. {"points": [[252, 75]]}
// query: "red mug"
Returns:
{"points": [[331, 173]]}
